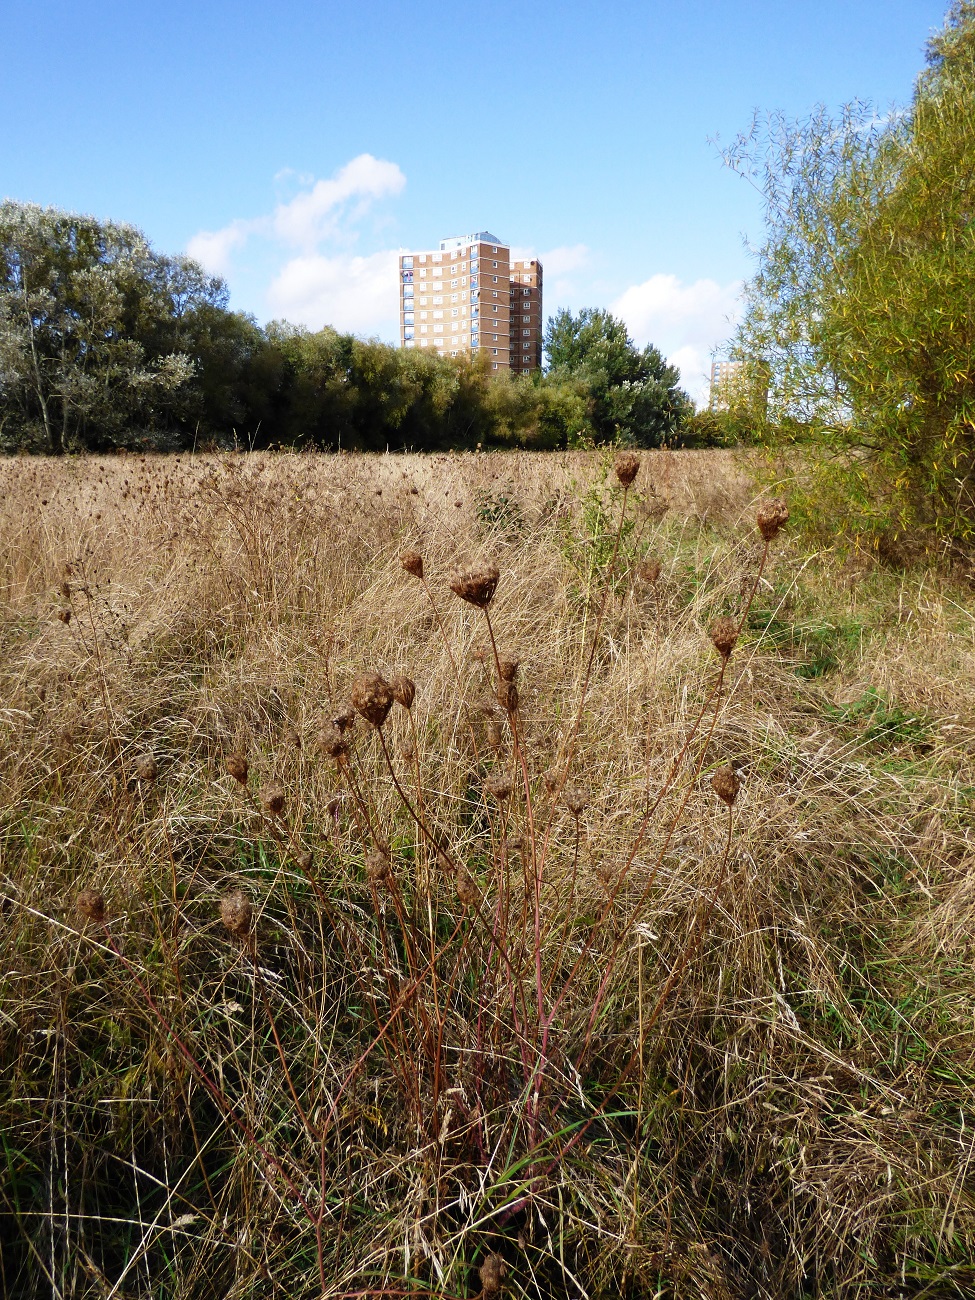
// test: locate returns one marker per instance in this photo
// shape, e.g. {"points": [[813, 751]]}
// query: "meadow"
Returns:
{"points": [[478, 875]]}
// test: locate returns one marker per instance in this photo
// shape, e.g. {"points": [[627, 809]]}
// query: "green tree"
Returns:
{"points": [[862, 298], [631, 393], [91, 325]]}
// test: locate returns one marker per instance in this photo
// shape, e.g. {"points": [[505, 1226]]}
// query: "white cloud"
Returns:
{"points": [[315, 214], [357, 295], [213, 248], [685, 321]]}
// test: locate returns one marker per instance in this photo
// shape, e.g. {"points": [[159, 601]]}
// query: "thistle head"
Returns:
{"points": [[372, 696], [508, 696], [377, 867], [476, 586]]}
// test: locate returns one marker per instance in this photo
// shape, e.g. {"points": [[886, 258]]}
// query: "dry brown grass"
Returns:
{"points": [[374, 1025]]}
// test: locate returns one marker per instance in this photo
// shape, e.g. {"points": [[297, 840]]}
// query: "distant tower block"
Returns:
{"points": [[468, 298]]}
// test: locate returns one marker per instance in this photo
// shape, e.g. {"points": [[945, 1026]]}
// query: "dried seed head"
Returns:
{"points": [[304, 861], [345, 720], [404, 690], [551, 778], [272, 799], [238, 767], [236, 913], [724, 634], [495, 736], [725, 784], [146, 768], [65, 589], [508, 696], [64, 615], [649, 571], [771, 517], [499, 785], [377, 867], [467, 890], [406, 750], [91, 905], [575, 799], [412, 562], [627, 465], [492, 1273], [372, 696], [476, 586], [333, 741], [508, 668], [606, 871]]}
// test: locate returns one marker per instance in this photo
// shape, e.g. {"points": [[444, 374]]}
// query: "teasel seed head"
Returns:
{"points": [[372, 696], [333, 741], [724, 634], [499, 785], [476, 586], [492, 1273], [404, 690], [575, 800], [412, 562], [238, 767], [272, 800], [771, 517], [146, 768], [627, 466], [508, 696], [726, 785], [91, 905], [508, 668], [649, 571], [236, 913], [467, 890]]}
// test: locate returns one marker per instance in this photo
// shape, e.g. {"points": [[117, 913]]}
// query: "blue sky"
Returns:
{"points": [[295, 148]]}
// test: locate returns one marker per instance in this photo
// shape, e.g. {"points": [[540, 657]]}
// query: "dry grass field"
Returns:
{"points": [[631, 956]]}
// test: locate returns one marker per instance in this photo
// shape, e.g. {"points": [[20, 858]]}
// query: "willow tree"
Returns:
{"points": [[862, 303]]}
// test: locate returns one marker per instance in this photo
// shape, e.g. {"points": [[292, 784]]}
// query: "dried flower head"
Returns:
{"points": [[146, 768], [238, 767], [372, 696], [272, 799], [649, 571], [551, 778], [492, 1273], [499, 785], [64, 615], [345, 720], [404, 690], [91, 905], [627, 466], [476, 586], [724, 634], [575, 799], [65, 589], [771, 517], [467, 890], [508, 696], [725, 784], [304, 861], [495, 736], [508, 668], [406, 750], [377, 867], [412, 562], [333, 741], [236, 913]]}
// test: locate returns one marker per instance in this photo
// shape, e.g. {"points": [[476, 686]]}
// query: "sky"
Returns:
{"points": [[296, 149]]}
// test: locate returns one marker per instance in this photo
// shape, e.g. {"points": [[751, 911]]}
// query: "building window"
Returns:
{"points": [[526, 292], [408, 333], [407, 262], [494, 352], [494, 279], [407, 277], [526, 333], [436, 257], [438, 315], [423, 343], [423, 301], [437, 302], [526, 346], [407, 291], [423, 329], [474, 338], [407, 318], [473, 281]]}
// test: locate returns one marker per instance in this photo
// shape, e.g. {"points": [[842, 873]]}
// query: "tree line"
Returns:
{"points": [[106, 343]]}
